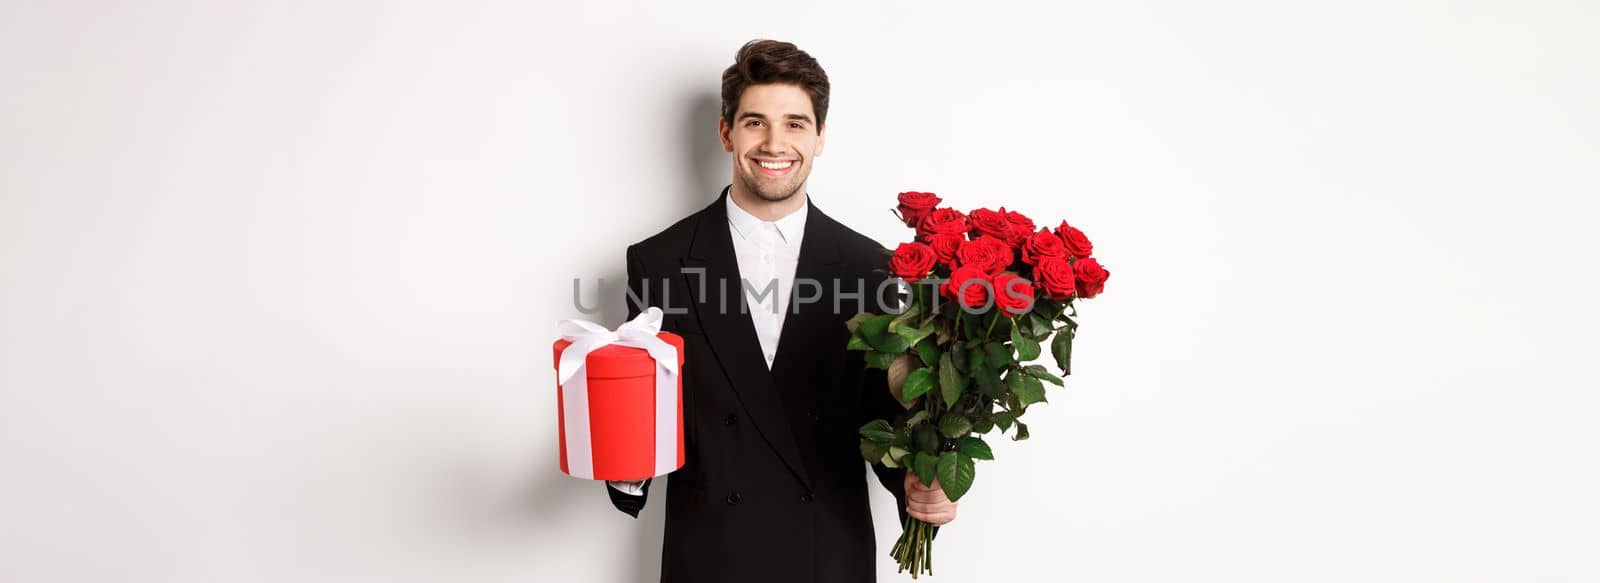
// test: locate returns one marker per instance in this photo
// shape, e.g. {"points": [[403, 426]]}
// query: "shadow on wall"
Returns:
{"points": [[706, 169], [555, 498]]}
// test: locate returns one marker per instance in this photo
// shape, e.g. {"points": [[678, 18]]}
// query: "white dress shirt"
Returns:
{"points": [[767, 253]]}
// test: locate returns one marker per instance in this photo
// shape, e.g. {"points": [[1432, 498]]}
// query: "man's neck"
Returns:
{"points": [[763, 209]]}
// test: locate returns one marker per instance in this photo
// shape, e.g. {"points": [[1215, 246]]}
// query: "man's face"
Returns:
{"points": [[773, 139]]}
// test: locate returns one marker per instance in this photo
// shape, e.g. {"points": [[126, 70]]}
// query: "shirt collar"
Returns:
{"points": [[791, 226]]}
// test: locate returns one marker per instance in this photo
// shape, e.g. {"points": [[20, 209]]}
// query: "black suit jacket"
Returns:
{"points": [[773, 488]]}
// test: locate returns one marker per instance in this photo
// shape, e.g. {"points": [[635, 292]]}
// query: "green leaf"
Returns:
{"points": [[926, 438], [919, 417], [928, 351], [888, 461], [902, 437], [857, 343], [956, 473], [1027, 348], [1039, 323], [1035, 382], [1061, 348], [973, 327], [876, 325], [926, 466], [877, 431], [875, 331], [896, 323], [1038, 371], [1022, 432], [873, 452], [855, 321], [917, 384], [890, 343], [989, 382], [1004, 419], [955, 425], [879, 360], [912, 335], [951, 382], [1030, 391], [996, 354], [1015, 404], [974, 447], [898, 454], [982, 425], [958, 355]]}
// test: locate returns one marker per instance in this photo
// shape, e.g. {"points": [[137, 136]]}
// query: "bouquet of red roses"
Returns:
{"points": [[989, 289]]}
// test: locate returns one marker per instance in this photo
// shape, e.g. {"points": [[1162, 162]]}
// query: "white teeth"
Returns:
{"points": [[775, 165]]}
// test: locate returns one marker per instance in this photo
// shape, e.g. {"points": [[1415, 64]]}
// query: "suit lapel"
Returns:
{"points": [[717, 298], [819, 257]]}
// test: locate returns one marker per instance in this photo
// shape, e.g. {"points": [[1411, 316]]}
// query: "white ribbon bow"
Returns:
{"points": [[587, 337]]}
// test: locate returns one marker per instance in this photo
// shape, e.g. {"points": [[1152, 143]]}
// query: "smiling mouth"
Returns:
{"points": [[775, 167]]}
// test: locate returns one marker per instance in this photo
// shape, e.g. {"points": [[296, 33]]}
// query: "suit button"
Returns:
{"points": [[730, 419], [734, 498], [806, 498]]}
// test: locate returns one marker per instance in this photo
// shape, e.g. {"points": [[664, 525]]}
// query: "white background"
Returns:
{"points": [[280, 280]]}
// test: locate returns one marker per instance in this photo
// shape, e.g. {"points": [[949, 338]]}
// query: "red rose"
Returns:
{"points": [[945, 245], [915, 205], [1021, 227], [1055, 277], [991, 223], [912, 261], [1012, 293], [945, 220], [987, 253], [1042, 244], [1091, 277], [971, 284], [1077, 245]]}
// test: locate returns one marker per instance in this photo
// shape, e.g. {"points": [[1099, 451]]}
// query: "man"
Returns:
{"points": [[760, 284]]}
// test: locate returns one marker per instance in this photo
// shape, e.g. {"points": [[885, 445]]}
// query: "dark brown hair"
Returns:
{"points": [[764, 61]]}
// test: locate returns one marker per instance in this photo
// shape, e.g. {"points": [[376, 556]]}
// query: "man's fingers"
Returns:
{"points": [[915, 483], [931, 507], [934, 518]]}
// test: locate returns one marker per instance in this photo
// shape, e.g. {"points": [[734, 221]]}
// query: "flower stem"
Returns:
{"points": [[914, 549]]}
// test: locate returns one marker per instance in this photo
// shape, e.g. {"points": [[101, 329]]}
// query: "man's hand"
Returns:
{"points": [[928, 504]]}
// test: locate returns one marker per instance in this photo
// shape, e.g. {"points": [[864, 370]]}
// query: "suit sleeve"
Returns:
{"points": [[876, 401], [636, 284], [632, 504], [629, 503]]}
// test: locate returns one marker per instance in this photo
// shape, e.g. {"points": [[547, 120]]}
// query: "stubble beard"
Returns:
{"points": [[773, 192]]}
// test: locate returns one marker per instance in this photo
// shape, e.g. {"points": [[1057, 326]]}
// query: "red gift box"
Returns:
{"points": [[623, 408]]}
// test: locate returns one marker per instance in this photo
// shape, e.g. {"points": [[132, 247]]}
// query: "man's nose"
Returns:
{"points": [[772, 143]]}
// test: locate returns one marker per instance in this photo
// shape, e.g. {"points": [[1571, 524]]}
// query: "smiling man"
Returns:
{"points": [[760, 284], [774, 138]]}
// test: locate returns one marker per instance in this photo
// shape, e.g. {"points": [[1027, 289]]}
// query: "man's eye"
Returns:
{"points": [[796, 125], [751, 123]]}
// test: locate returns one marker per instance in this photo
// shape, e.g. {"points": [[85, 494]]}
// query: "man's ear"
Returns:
{"points": [[722, 134], [822, 134]]}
